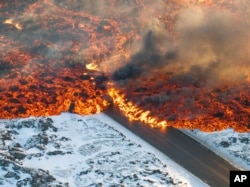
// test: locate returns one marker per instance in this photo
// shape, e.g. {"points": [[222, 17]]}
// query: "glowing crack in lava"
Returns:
{"points": [[169, 63]]}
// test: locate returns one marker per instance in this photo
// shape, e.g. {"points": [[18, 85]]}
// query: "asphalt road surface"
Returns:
{"points": [[182, 149]]}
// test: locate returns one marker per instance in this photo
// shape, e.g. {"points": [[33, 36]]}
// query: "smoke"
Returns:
{"points": [[212, 46], [209, 45], [156, 52], [112, 8], [100, 32], [103, 8]]}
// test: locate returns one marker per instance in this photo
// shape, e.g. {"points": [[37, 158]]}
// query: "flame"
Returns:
{"points": [[205, 1], [92, 66], [133, 112], [10, 22]]}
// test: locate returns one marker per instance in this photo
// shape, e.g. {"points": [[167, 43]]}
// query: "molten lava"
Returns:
{"points": [[50, 89], [188, 106], [58, 56]]}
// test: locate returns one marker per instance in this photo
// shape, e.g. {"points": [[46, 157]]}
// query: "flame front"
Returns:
{"points": [[133, 112]]}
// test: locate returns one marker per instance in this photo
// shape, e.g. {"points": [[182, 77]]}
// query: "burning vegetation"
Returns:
{"points": [[169, 63]]}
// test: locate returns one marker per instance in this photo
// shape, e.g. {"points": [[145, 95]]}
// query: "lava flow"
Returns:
{"points": [[184, 64]]}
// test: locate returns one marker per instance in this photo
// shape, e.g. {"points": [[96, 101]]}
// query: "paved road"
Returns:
{"points": [[185, 151]]}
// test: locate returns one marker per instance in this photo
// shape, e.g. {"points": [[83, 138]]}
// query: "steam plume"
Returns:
{"points": [[212, 46]]}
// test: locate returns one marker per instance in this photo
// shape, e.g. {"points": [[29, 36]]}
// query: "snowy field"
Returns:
{"points": [[230, 145], [73, 150]]}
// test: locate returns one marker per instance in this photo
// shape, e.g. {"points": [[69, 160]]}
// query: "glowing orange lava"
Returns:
{"points": [[209, 109], [57, 57]]}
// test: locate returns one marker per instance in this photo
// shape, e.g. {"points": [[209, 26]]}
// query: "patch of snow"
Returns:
{"points": [[230, 145], [73, 150]]}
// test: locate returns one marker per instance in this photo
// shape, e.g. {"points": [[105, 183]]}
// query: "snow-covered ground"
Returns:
{"points": [[230, 145], [73, 150]]}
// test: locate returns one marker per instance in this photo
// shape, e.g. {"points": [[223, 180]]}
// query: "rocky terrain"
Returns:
{"points": [[71, 150], [230, 145]]}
